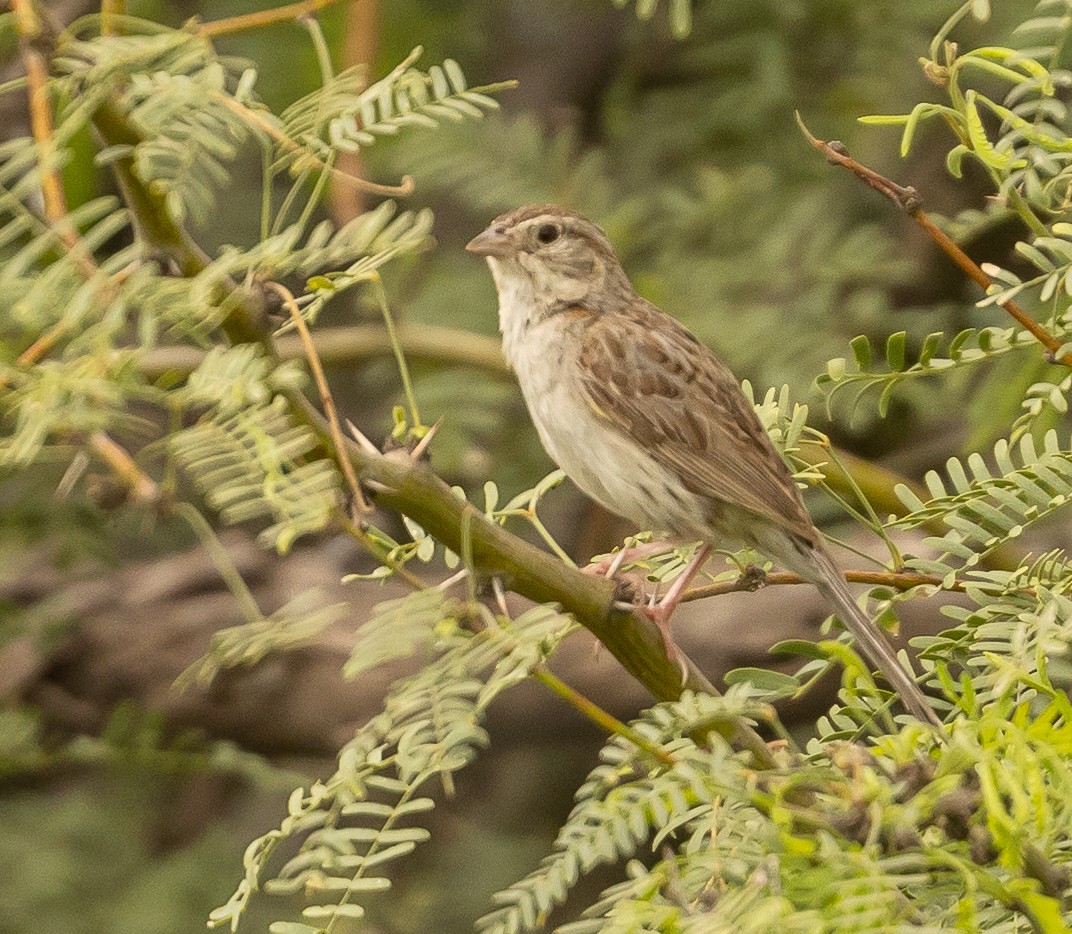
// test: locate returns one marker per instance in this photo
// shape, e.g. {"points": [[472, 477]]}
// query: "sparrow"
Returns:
{"points": [[647, 421]]}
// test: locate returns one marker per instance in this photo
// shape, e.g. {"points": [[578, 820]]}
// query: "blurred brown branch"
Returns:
{"points": [[425, 342], [360, 42], [111, 11], [30, 30], [282, 14]]}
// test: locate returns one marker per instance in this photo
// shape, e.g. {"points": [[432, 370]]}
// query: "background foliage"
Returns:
{"points": [[672, 124]]}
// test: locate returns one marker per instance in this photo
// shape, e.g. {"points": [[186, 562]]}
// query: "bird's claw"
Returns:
{"points": [[660, 615]]}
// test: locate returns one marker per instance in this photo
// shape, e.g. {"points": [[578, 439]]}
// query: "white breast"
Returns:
{"points": [[607, 466]]}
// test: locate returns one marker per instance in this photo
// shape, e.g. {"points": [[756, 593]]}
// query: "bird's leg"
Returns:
{"points": [[661, 612]]}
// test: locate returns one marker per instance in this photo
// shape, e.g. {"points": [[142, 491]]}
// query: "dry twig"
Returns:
{"points": [[337, 437], [909, 201]]}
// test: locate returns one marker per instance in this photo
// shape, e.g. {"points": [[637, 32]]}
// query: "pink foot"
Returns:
{"points": [[660, 614]]}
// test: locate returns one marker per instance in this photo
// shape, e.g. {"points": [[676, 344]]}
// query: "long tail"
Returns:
{"points": [[870, 639]]}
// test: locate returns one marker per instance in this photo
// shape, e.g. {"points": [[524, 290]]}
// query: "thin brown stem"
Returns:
{"points": [[755, 579], [36, 65], [909, 201], [30, 30], [405, 187], [282, 14], [381, 554], [338, 439], [143, 488]]}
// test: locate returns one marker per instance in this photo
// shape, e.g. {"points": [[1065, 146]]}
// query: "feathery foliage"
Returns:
{"points": [[354, 823], [874, 822]]}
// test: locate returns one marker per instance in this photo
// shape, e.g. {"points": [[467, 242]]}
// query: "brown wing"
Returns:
{"points": [[655, 382]]}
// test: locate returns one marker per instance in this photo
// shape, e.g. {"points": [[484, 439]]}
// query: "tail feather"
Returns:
{"points": [[870, 639]]}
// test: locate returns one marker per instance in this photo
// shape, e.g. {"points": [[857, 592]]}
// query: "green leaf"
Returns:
{"points": [[775, 683], [884, 119], [984, 149], [801, 648], [931, 343], [861, 351], [895, 350], [332, 911], [954, 161]]}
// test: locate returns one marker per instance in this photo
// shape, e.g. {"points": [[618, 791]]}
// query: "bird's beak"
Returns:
{"points": [[492, 242]]}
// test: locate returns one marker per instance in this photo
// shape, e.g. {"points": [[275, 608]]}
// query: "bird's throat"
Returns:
{"points": [[519, 308]]}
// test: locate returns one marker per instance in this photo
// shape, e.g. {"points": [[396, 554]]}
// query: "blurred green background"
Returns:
{"points": [[688, 154]]}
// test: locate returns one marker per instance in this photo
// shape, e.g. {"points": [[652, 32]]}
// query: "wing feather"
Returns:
{"points": [[656, 383]]}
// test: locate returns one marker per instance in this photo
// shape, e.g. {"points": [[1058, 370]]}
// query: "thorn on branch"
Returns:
{"points": [[422, 446], [367, 446]]}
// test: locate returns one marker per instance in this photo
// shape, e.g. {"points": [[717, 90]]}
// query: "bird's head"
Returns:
{"points": [[553, 255]]}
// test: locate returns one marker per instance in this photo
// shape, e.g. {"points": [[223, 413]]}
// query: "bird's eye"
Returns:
{"points": [[548, 233]]}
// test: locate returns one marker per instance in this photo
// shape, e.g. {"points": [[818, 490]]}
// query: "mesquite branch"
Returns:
{"points": [[909, 201]]}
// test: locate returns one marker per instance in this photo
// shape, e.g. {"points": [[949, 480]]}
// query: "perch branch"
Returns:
{"points": [[412, 489], [909, 201]]}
